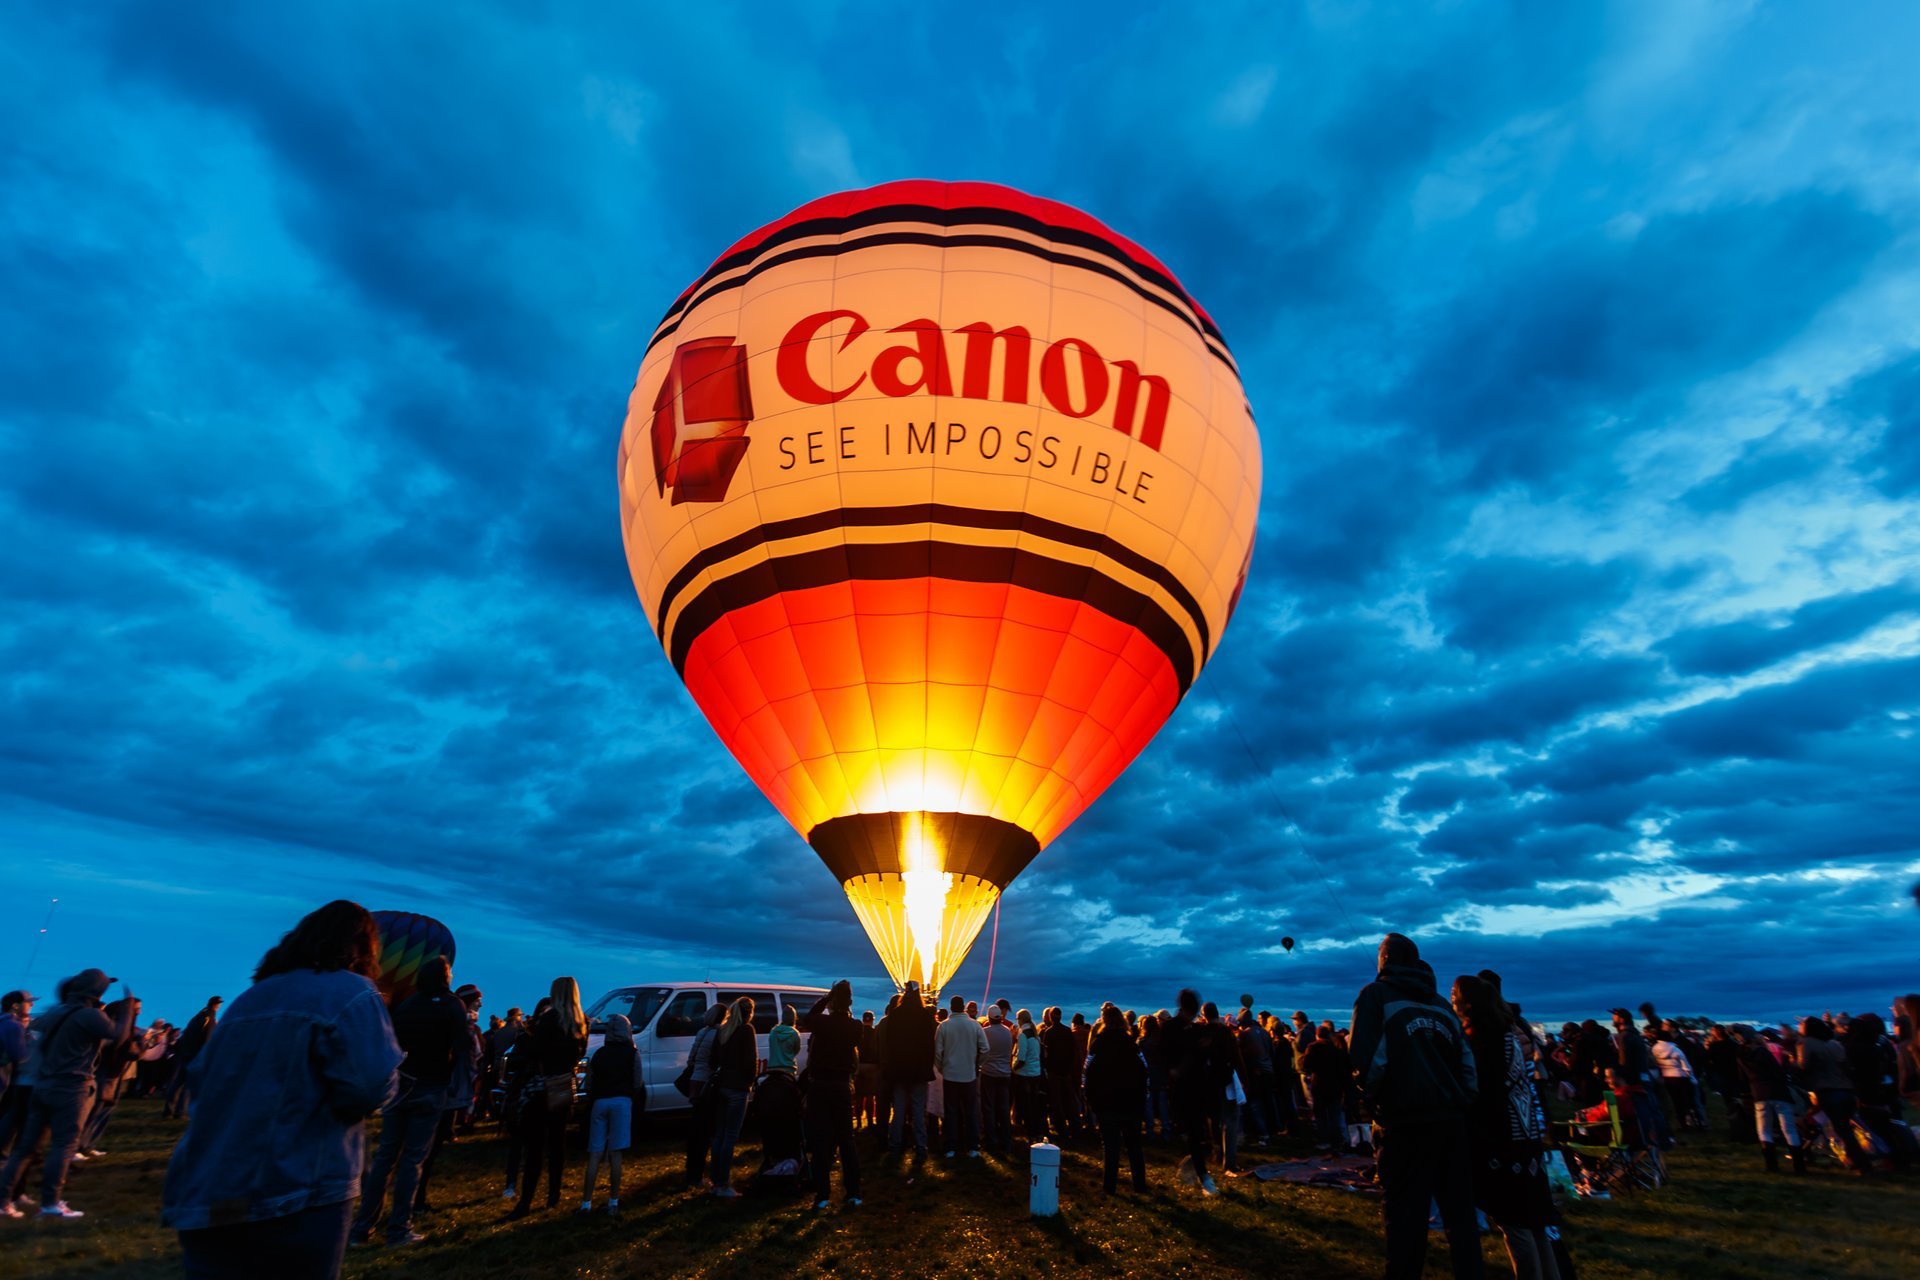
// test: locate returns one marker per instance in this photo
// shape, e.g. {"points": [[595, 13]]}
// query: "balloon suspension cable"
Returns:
{"points": [[993, 949], [1299, 837], [40, 937]]}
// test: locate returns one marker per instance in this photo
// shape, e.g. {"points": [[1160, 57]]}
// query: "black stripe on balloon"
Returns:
{"points": [[986, 215], [670, 323], [933, 513], [970, 844], [956, 561]]}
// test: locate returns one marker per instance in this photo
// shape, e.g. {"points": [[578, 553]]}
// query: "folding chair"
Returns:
{"points": [[1628, 1162]]}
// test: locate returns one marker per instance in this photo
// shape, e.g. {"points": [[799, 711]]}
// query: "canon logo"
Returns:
{"points": [[1134, 403]]}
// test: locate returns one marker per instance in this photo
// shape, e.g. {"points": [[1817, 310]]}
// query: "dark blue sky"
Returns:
{"points": [[1583, 637]]}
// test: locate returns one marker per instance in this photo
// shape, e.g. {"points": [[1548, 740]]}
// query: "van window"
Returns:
{"points": [[765, 1016], [803, 1001], [636, 1004], [683, 1016]]}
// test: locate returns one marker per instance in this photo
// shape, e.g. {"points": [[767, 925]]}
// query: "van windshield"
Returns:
{"points": [[636, 1004]]}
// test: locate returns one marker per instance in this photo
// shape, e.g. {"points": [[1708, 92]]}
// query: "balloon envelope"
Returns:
{"points": [[408, 940], [938, 497], [1287, 943]]}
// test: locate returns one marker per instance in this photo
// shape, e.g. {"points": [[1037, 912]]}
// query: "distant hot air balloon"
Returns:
{"points": [[408, 940], [938, 496], [1286, 943]]}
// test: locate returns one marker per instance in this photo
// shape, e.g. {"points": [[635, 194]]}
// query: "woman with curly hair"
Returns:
{"points": [[271, 1159]]}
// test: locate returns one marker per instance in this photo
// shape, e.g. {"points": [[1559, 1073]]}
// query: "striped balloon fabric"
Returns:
{"points": [[938, 496], [408, 940]]}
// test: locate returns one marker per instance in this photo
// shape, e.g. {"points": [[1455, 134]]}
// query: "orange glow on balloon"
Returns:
{"points": [[939, 496]]}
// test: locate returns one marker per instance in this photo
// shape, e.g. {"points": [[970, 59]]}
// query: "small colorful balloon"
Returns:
{"points": [[407, 941]]}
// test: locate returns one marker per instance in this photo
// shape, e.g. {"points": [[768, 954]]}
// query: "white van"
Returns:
{"points": [[666, 1015]]}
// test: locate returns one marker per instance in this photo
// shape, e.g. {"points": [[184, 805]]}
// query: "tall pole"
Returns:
{"points": [[40, 937]]}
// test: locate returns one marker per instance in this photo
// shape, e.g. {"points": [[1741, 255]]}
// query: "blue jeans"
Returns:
{"points": [[1330, 1122], [406, 1135], [309, 1245], [909, 1100], [730, 1112]]}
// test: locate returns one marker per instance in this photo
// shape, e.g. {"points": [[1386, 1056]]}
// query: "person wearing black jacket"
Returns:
{"points": [[544, 1063], [1117, 1091], [431, 1026], [1059, 1072], [1418, 1075], [1196, 1079], [909, 1068], [185, 1050], [833, 1056]]}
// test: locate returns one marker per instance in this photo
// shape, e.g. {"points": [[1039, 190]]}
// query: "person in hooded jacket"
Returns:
{"points": [[271, 1159], [909, 1069], [70, 1037], [833, 1057], [1117, 1092], [614, 1079], [1418, 1074]]}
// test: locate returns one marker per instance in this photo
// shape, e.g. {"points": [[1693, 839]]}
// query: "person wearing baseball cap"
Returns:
{"points": [[70, 1036]]}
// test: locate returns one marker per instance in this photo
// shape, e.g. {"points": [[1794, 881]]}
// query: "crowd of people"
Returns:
{"points": [[1447, 1092]]}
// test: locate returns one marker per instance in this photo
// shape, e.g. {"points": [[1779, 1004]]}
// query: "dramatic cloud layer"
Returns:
{"points": [[1584, 633]]}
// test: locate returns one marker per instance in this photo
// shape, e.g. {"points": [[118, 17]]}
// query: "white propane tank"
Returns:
{"points": [[1043, 1162]]}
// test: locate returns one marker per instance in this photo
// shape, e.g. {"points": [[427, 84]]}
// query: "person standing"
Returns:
{"points": [[613, 1078], [1256, 1051], [833, 1057], [463, 1086], [553, 1046], [69, 1037], [1766, 1085], [1117, 1091], [110, 1071], [1028, 1086], [958, 1047], [1419, 1077], [185, 1050], [1328, 1068], [1509, 1154], [1196, 1082], [701, 1096], [1060, 1070], [1823, 1070], [908, 1032], [270, 1162], [996, 1085], [1676, 1077], [431, 1026], [866, 1081], [16, 1046], [736, 1065]]}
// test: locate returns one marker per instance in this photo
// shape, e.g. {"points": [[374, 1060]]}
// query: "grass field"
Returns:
{"points": [[1722, 1217]]}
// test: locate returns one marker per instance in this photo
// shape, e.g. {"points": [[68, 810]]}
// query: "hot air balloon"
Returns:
{"points": [[1286, 943], [938, 496], [408, 940]]}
